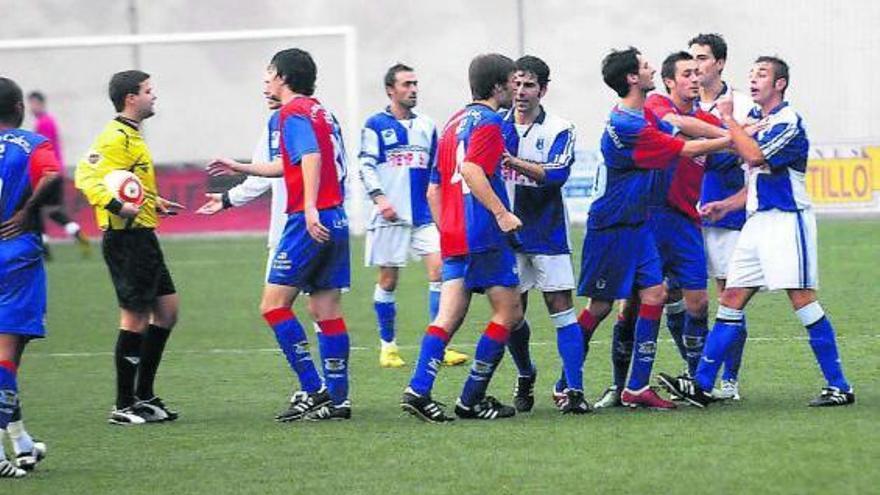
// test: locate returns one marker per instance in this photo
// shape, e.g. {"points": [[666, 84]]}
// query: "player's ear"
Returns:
{"points": [[632, 79], [543, 92], [780, 84]]}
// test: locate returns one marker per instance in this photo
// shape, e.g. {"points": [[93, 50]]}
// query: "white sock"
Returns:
{"points": [[72, 228], [21, 440], [2, 450]]}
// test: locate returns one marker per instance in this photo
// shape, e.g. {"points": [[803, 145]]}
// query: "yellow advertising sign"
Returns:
{"points": [[844, 180]]}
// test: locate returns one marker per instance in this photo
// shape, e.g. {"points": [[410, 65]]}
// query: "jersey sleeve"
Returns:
{"points": [[369, 161], [659, 105], [109, 153], [299, 137], [485, 147], [560, 158], [655, 149], [780, 145], [42, 163]]}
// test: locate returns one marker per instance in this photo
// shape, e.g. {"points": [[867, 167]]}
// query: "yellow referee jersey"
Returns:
{"points": [[120, 146]]}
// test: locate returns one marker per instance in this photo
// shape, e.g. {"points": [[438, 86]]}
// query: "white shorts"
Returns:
{"points": [[719, 244], [776, 250], [545, 272], [395, 244]]}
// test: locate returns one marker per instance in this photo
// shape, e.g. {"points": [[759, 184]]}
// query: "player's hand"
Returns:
{"points": [[508, 222], [753, 128], [313, 224], [166, 207], [129, 210], [213, 204], [725, 107], [386, 209], [714, 210], [16, 224], [222, 166]]}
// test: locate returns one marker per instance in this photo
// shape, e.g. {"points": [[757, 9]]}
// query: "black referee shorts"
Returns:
{"points": [[137, 268]]}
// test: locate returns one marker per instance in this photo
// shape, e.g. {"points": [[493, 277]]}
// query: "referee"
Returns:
{"points": [[148, 301]]}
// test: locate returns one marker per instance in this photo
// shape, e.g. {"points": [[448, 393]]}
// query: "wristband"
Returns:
{"points": [[227, 203]]}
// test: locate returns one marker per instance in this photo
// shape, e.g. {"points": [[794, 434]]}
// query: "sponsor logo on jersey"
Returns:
{"points": [[389, 137]]}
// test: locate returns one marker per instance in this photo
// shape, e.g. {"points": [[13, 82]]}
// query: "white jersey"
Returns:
{"points": [[742, 104], [397, 157], [266, 150]]}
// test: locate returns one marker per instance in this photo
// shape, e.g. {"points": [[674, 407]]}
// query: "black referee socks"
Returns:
{"points": [[128, 356], [151, 355]]}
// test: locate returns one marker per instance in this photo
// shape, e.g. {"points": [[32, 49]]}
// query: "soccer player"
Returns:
{"points": [[723, 177], [540, 152], [475, 229], [28, 171], [145, 292], [777, 246], [45, 125], [619, 253], [398, 151], [313, 254]]}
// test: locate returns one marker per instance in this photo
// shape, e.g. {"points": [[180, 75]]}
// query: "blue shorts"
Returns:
{"points": [[481, 271], [680, 244], [22, 286], [302, 262], [618, 260]]}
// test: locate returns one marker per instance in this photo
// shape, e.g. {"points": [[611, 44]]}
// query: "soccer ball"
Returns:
{"points": [[125, 186]]}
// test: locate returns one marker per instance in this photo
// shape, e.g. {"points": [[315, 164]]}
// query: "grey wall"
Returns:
{"points": [[209, 95]]}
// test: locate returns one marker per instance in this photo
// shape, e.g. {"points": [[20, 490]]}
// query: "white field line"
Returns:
{"points": [[459, 345]]}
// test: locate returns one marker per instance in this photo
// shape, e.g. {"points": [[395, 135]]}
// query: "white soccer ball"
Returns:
{"points": [[125, 186]]}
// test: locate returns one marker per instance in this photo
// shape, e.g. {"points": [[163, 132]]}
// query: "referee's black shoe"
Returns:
{"points": [[155, 411]]}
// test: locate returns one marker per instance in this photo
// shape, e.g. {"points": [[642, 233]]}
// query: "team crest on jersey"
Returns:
{"points": [[94, 157], [389, 137], [539, 144]]}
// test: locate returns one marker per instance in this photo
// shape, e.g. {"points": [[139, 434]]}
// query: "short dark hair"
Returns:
{"points": [[780, 68], [122, 84], [391, 74], [11, 102], [617, 65], [37, 95], [536, 66], [486, 71], [714, 41], [668, 69], [298, 70]]}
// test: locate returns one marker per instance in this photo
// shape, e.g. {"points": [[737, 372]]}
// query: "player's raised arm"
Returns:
{"points": [[743, 142]]}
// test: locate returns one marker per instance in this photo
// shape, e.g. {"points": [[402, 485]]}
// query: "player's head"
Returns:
{"points": [[295, 69], [681, 77], [131, 92], [11, 103], [272, 100], [710, 52], [36, 102], [627, 72], [768, 80], [402, 85], [532, 76], [491, 76]]}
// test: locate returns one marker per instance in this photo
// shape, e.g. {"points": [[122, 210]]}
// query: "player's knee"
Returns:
{"points": [[733, 298], [557, 302], [134, 321], [801, 297], [654, 296], [388, 279], [697, 304]]}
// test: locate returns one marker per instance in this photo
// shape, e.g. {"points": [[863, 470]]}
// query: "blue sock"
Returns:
{"points": [[433, 299], [675, 321], [490, 351], [727, 330], [334, 345], [518, 345], [693, 338], [824, 344], [733, 359], [8, 392], [430, 358], [386, 312], [621, 351], [294, 344], [570, 344], [561, 383], [645, 346]]}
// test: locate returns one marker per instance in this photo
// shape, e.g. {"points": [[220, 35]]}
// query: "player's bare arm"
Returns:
{"points": [[716, 210], [534, 171], [744, 144], [386, 209], [18, 222], [433, 196], [166, 207], [228, 166], [699, 147], [479, 185], [311, 175], [694, 127]]}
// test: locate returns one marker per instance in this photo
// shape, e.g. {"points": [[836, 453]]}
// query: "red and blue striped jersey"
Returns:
{"points": [[473, 134], [25, 158], [307, 127]]}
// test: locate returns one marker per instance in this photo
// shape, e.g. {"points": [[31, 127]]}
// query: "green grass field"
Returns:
{"points": [[222, 371]]}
